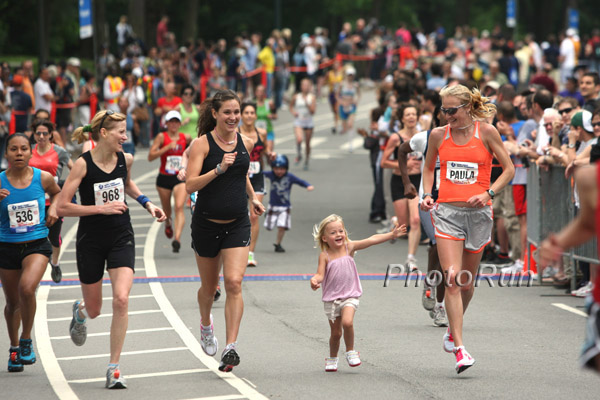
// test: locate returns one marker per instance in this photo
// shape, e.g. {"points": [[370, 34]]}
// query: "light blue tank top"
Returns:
{"points": [[23, 212]]}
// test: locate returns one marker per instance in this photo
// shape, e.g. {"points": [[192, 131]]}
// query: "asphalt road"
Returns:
{"points": [[525, 339]]}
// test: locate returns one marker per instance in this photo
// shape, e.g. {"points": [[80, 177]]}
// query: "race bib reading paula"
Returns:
{"points": [[109, 192], [461, 172]]}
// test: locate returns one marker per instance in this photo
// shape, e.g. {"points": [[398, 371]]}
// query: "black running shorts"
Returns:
{"points": [[208, 238], [13, 254], [96, 249]]}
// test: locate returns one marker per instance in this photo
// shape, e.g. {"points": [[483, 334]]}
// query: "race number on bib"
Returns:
{"points": [[23, 217], [462, 173], [254, 167], [173, 164], [109, 192], [261, 124]]}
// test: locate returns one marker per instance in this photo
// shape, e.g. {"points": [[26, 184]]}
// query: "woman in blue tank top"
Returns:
{"points": [[218, 170], [24, 246], [104, 235]]}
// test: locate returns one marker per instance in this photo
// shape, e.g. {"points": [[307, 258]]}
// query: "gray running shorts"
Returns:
{"points": [[471, 225]]}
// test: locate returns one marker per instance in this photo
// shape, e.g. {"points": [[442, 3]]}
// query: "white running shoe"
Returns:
{"points": [[515, 268], [353, 358], [448, 342], [411, 265], [428, 297], [463, 359], [251, 260], [114, 379], [208, 341], [229, 358], [331, 364], [583, 291], [439, 316], [77, 329]]}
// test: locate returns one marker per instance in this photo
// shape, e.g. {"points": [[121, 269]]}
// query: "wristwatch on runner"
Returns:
{"points": [[491, 193]]}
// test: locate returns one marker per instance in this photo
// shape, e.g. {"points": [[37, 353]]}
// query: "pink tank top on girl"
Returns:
{"points": [[341, 279]]}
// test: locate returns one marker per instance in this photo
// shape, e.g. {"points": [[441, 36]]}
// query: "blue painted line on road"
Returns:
{"points": [[284, 277]]}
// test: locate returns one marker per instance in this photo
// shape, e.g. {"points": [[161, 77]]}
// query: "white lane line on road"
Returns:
{"points": [[125, 353], [570, 309], [180, 327], [70, 301], [130, 313], [140, 376], [225, 397], [42, 336], [168, 328], [141, 225]]}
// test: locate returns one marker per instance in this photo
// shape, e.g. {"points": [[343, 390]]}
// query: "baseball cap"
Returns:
{"points": [[74, 62], [584, 120], [17, 80], [350, 71], [173, 115]]}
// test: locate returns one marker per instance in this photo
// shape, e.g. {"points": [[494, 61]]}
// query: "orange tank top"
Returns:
{"points": [[465, 170]]}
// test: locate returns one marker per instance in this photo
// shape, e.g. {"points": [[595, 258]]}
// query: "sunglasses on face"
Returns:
{"points": [[451, 110], [565, 111], [548, 124], [595, 124], [42, 133], [106, 114], [188, 93]]}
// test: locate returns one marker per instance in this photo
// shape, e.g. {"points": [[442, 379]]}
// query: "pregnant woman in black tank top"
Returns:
{"points": [[218, 170]]}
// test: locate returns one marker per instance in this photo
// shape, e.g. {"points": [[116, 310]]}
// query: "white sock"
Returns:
{"points": [[438, 305]]}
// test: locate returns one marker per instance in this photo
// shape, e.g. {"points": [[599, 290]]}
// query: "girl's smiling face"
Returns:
{"points": [[334, 235]]}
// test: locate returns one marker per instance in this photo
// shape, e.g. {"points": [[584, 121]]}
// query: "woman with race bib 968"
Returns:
{"points": [[105, 235], [462, 215]]}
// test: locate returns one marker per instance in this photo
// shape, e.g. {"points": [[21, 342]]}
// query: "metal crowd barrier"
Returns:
{"points": [[550, 207]]}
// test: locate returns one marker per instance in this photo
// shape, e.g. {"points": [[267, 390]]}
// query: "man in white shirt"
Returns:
{"points": [[43, 92], [567, 58]]}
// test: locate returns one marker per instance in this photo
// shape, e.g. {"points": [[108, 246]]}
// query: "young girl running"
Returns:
{"points": [[341, 284]]}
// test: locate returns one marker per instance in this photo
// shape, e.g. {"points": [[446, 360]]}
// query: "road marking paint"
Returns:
{"points": [[141, 225], [70, 301], [570, 309], [130, 313], [132, 331], [143, 216], [249, 383], [225, 397], [42, 336], [140, 376], [180, 327], [66, 274], [125, 353]]}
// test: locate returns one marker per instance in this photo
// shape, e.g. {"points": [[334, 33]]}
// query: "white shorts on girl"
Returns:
{"points": [[278, 216], [333, 309]]}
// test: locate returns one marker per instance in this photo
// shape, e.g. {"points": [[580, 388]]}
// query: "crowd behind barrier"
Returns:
{"points": [[551, 207]]}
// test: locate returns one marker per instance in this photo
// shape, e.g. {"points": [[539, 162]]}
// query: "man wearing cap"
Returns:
{"points": [[72, 72], [581, 131]]}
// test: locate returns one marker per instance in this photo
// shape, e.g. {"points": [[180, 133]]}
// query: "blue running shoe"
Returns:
{"points": [[27, 355], [14, 362]]}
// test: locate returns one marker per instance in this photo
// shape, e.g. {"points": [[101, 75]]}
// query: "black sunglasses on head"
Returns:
{"points": [[451, 110], [106, 114]]}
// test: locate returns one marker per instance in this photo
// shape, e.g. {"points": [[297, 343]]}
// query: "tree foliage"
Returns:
{"points": [[213, 19]]}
